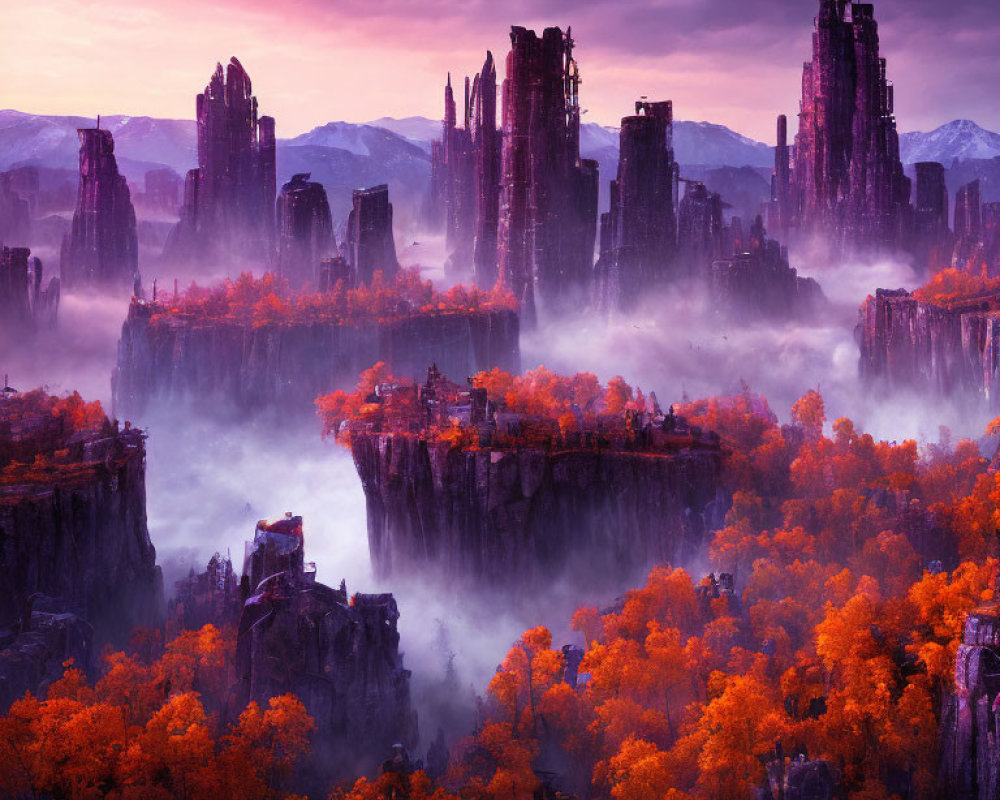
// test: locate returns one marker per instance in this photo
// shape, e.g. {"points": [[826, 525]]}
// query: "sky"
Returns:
{"points": [[734, 62]]}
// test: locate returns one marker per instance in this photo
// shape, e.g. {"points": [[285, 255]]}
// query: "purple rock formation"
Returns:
{"points": [[970, 756], [638, 237], [305, 231], [527, 518], [283, 368], [338, 654], [977, 233], [548, 198], [211, 597], [465, 177], [909, 344], [932, 239], [162, 192], [102, 248], [24, 305], [80, 537], [15, 211], [699, 228], [370, 244], [228, 209], [847, 183]]}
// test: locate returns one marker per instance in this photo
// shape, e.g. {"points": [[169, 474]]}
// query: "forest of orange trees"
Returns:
{"points": [[268, 300], [839, 643]]}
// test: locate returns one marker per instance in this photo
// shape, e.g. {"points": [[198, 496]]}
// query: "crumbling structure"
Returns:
{"points": [[228, 208], [305, 230], [25, 305], [371, 247], [338, 653], [102, 248], [847, 182], [548, 197], [700, 227], [638, 235]]}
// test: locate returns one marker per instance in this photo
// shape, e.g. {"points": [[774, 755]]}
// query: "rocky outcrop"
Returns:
{"points": [[33, 652], [970, 768], [228, 210], [523, 517], [371, 247], [305, 230], [847, 182], [27, 302], [212, 597], [284, 367], [338, 654], [102, 248], [73, 525], [977, 232], [548, 195], [15, 212], [909, 344], [932, 238]]}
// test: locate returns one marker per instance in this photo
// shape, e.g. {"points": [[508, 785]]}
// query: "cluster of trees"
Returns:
{"points": [[39, 432], [269, 300], [953, 287], [152, 727], [839, 640], [552, 409]]}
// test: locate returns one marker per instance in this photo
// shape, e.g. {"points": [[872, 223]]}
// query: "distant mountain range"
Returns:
{"points": [[344, 155]]}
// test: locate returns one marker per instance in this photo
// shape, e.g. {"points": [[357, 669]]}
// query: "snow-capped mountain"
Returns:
{"points": [[958, 139]]}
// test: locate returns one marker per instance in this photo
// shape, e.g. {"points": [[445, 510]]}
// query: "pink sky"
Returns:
{"points": [[736, 62]]}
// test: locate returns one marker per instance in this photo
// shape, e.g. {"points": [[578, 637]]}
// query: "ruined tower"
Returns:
{"points": [[548, 199], [847, 182], [305, 230], [932, 237], [639, 236], [102, 248], [370, 243], [228, 207]]}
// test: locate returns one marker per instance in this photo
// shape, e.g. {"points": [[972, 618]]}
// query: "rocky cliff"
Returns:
{"points": [[73, 521], [906, 343], [523, 516], [253, 367]]}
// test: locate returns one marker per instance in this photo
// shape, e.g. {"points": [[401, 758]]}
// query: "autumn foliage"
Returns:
{"points": [[152, 729], [839, 640], [956, 287], [269, 301]]}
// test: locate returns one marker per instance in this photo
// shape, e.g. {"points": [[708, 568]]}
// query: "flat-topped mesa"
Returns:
{"points": [[970, 768], [638, 235], [371, 247], [847, 182], [252, 345], [102, 248], [338, 654], [465, 167], [25, 305], [548, 196], [228, 210], [73, 514], [942, 338], [305, 231], [524, 482]]}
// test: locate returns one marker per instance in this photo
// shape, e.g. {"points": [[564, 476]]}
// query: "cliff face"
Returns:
{"points": [[527, 516], [83, 540], [909, 344], [288, 366]]}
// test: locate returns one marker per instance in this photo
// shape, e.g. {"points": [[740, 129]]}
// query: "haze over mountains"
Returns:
{"points": [[345, 155]]}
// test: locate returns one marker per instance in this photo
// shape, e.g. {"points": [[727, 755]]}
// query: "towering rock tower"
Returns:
{"points": [[102, 248], [229, 199], [638, 238], [370, 243], [305, 230], [548, 199], [847, 181]]}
